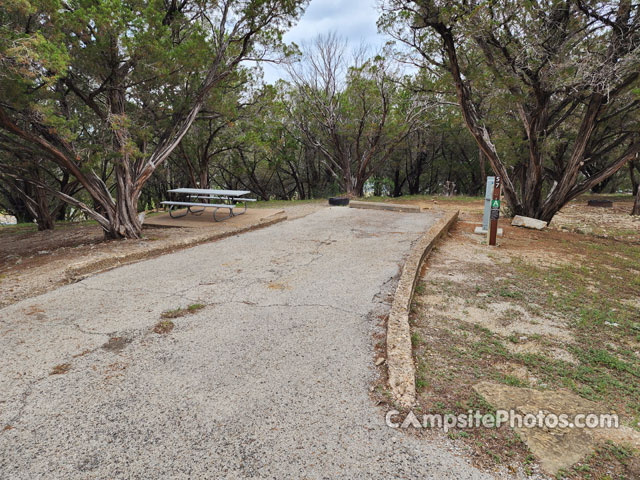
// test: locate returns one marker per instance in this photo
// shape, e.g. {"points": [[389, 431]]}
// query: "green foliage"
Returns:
{"points": [[108, 89], [528, 72]]}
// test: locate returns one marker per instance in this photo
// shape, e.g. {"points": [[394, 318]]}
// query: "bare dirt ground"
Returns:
{"points": [[33, 262], [552, 316], [551, 311], [612, 222], [577, 217]]}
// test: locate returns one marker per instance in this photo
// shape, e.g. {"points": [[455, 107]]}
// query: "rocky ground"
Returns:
{"points": [[547, 320], [615, 222]]}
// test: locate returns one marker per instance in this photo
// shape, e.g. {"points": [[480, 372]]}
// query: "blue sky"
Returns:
{"points": [[353, 19]]}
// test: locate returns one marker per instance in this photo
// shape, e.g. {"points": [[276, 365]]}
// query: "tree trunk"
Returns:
{"points": [[44, 219], [125, 225], [397, 184], [483, 169], [124, 221], [635, 188], [45, 223], [358, 187], [568, 185], [123, 216], [413, 173], [204, 175], [472, 119], [36, 204], [61, 212]]}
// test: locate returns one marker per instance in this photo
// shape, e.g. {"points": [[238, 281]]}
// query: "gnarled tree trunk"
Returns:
{"points": [[533, 111], [635, 187], [104, 83]]}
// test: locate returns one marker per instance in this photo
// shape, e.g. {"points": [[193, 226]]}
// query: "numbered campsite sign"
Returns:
{"points": [[495, 212]]}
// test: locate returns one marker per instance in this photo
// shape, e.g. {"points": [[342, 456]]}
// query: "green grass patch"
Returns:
{"points": [[181, 312], [195, 307], [163, 327]]}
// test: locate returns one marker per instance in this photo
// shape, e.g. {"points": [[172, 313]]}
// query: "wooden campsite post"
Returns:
{"points": [[495, 212]]}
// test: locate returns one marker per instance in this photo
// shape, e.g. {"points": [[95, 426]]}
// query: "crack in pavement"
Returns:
{"points": [[23, 404], [195, 400], [130, 291], [285, 305]]}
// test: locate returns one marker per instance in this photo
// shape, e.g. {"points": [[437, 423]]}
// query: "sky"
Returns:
{"points": [[353, 19]]}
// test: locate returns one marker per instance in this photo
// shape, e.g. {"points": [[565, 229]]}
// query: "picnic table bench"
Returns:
{"points": [[229, 200]]}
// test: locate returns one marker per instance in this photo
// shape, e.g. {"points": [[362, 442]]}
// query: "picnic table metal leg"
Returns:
{"points": [[177, 216], [195, 212], [243, 211], [228, 216]]}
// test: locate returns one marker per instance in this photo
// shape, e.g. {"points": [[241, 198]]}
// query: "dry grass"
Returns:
{"points": [[181, 312], [163, 327], [60, 369], [545, 310]]}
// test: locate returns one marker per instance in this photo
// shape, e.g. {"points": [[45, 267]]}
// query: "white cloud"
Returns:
{"points": [[354, 20]]}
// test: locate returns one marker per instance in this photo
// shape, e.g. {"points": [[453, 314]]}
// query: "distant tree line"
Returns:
{"points": [[105, 107]]}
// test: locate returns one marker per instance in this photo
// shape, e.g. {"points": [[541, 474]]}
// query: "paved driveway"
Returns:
{"points": [[269, 380]]}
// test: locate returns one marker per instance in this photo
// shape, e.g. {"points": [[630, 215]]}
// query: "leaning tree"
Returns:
{"points": [[558, 81], [140, 70]]}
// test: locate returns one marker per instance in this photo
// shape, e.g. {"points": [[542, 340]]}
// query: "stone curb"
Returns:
{"points": [[400, 366], [394, 207], [80, 271]]}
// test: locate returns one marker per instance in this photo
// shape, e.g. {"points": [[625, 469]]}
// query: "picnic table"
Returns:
{"points": [[228, 199]]}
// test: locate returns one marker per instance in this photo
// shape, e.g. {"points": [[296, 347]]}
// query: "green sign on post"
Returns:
{"points": [[495, 212]]}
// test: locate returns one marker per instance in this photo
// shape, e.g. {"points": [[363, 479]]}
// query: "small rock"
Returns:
{"points": [[379, 361], [528, 222], [611, 324], [8, 220]]}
